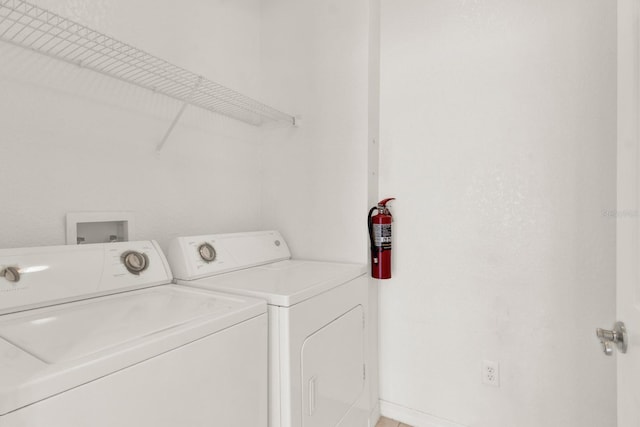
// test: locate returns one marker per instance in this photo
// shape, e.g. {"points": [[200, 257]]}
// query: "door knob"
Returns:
{"points": [[609, 338]]}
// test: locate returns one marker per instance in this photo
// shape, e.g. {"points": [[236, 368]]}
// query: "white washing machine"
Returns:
{"points": [[317, 322], [95, 335]]}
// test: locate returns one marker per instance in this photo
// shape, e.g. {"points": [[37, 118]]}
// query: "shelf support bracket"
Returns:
{"points": [[186, 102]]}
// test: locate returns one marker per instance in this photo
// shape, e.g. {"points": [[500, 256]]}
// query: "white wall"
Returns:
{"points": [[315, 60], [73, 140], [498, 137], [373, 189]]}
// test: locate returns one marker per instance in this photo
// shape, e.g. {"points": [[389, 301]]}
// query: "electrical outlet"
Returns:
{"points": [[491, 373]]}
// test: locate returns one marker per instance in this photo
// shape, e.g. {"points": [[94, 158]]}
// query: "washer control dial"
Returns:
{"points": [[207, 252], [12, 274], [135, 262]]}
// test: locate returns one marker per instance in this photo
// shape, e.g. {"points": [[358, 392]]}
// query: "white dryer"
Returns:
{"points": [[317, 322], [95, 335]]}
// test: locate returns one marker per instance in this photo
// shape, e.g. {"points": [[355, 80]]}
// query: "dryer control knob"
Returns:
{"points": [[12, 274], [207, 252], [135, 262]]}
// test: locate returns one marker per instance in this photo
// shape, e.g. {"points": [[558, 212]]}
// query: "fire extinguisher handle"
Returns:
{"points": [[384, 202]]}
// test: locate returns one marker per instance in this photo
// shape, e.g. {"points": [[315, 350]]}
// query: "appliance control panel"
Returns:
{"points": [[40, 276], [194, 257]]}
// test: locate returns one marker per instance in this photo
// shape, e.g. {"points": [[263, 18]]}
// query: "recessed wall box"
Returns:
{"points": [[99, 227]]}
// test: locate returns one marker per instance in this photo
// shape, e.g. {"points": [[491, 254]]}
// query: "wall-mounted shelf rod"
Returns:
{"points": [[35, 28], [178, 116]]}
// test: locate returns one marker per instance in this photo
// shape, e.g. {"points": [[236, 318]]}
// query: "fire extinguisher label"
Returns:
{"points": [[382, 236]]}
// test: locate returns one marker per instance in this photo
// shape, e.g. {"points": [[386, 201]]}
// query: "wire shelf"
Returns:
{"points": [[38, 29]]}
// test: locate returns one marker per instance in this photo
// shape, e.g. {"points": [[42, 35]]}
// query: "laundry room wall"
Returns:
{"points": [[315, 57], [74, 140], [498, 137]]}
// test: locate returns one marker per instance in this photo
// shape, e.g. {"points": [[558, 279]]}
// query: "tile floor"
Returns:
{"points": [[386, 422]]}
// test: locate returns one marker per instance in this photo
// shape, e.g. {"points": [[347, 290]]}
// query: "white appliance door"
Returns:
{"points": [[628, 238], [333, 370], [219, 380], [50, 350]]}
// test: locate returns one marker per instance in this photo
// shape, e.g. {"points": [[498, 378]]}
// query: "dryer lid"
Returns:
{"points": [[283, 283], [49, 350]]}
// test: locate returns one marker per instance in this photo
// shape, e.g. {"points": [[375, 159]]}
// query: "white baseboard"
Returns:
{"points": [[374, 416], [413, 417]]}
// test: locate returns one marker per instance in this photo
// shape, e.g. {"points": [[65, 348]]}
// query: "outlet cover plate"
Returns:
{"points": [[491, 373]]}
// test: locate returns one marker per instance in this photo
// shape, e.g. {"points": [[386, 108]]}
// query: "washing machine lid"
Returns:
{"points": [[283, 283], [48, 350]]}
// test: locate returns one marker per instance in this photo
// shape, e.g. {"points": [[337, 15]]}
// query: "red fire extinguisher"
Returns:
{"points": [[380, 236]]}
